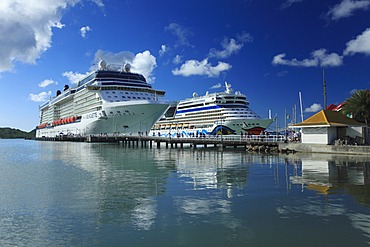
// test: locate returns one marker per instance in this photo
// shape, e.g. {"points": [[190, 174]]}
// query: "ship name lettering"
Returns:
{"points": [[91, 115]]}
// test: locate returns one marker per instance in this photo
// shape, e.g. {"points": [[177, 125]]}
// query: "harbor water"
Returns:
{"points": [[104, 194]]}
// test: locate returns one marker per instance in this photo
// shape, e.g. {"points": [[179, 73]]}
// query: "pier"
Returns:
{"points": [[178, 142]]}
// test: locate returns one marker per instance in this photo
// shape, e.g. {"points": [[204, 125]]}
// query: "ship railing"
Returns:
{"points": [[245, 138], [254, 138]]}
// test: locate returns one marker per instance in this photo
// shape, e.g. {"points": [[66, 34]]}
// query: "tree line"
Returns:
{"points": [[10, 133]]}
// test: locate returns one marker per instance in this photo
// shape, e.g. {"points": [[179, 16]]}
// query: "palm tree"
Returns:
{"points": [[358, 105]]}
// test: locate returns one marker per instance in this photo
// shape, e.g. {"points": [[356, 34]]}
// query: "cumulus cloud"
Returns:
{"points": [[41, 97], [182, 33], [195, 67], [84, 30], [231, 46], [74, 77], [361, 44], [47, 82], [289, 3], [318, 58], [346, 8], [143, 63], [26, 29], [315, 107]]}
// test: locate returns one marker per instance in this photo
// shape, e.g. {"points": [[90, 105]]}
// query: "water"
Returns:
{"points": [[83, 194]]}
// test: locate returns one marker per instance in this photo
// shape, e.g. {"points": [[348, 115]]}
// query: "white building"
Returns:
{"points": [[326, 126]]}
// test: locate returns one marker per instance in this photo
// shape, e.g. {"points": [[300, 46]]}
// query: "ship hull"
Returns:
{"points": [[119, 118]]}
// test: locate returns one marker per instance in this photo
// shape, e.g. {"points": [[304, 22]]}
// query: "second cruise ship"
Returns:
{"points": [[225, 112]]}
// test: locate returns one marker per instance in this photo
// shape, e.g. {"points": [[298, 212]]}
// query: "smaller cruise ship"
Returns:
{"points": [[224, 113]]}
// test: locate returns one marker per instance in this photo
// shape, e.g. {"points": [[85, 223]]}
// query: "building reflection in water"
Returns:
{"points": [[327, 174], [330, 176]]}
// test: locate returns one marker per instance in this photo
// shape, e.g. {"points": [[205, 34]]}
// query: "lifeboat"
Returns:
{"points": [[41, 126]]}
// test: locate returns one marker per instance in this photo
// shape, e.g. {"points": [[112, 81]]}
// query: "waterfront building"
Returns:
{"points": [[326, 126]]}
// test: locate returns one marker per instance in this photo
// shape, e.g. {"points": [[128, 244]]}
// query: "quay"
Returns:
{"points": [[225, 141], [251, 143]]}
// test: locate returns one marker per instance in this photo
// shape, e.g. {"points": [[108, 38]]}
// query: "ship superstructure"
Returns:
{"points": [[225, 112], [109, 101]]}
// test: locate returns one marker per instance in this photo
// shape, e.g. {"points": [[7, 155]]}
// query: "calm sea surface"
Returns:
{"points": [[84, 194]]}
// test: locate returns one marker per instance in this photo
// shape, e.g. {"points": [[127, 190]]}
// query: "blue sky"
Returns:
{"points": [[269, 50]]}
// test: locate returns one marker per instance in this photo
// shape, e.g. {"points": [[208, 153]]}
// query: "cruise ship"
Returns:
{"points": [[224, 113], [109, 101]]}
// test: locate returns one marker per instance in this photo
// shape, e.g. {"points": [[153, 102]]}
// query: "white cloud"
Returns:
{"points": [[182, 33], [163, 50], [231, 46], [143, 63], [327, 60], [47, 82], [359, 45], [279, 60], [26, 29], [99, 3], [41, 97], [194, 67], [84, 30], [313, 108], [318, 58], [177, 59], [346, 8], [74, 77], [289, 3], [218, 85]]}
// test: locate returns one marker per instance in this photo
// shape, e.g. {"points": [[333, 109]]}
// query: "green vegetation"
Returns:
{"points": [[9, 133], [358, 105]]}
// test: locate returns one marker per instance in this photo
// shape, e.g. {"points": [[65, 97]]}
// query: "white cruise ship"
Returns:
{"points": [[109, 101], [212, 114]]}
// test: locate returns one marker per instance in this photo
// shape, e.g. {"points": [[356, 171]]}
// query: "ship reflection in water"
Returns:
{"points": [[73, 194]]}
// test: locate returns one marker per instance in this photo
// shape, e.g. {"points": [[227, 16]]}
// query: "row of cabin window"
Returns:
{"points": [[113, 92], [129, 97], [252, 124]]}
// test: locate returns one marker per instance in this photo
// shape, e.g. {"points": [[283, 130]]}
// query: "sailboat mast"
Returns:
{"points": [[300, 103], [324, 85]]}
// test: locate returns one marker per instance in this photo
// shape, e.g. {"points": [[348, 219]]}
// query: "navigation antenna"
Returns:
{"points": [[228, 88]]}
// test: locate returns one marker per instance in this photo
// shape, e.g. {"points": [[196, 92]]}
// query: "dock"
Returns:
{"points": [[224, 141], [250, 143]]}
